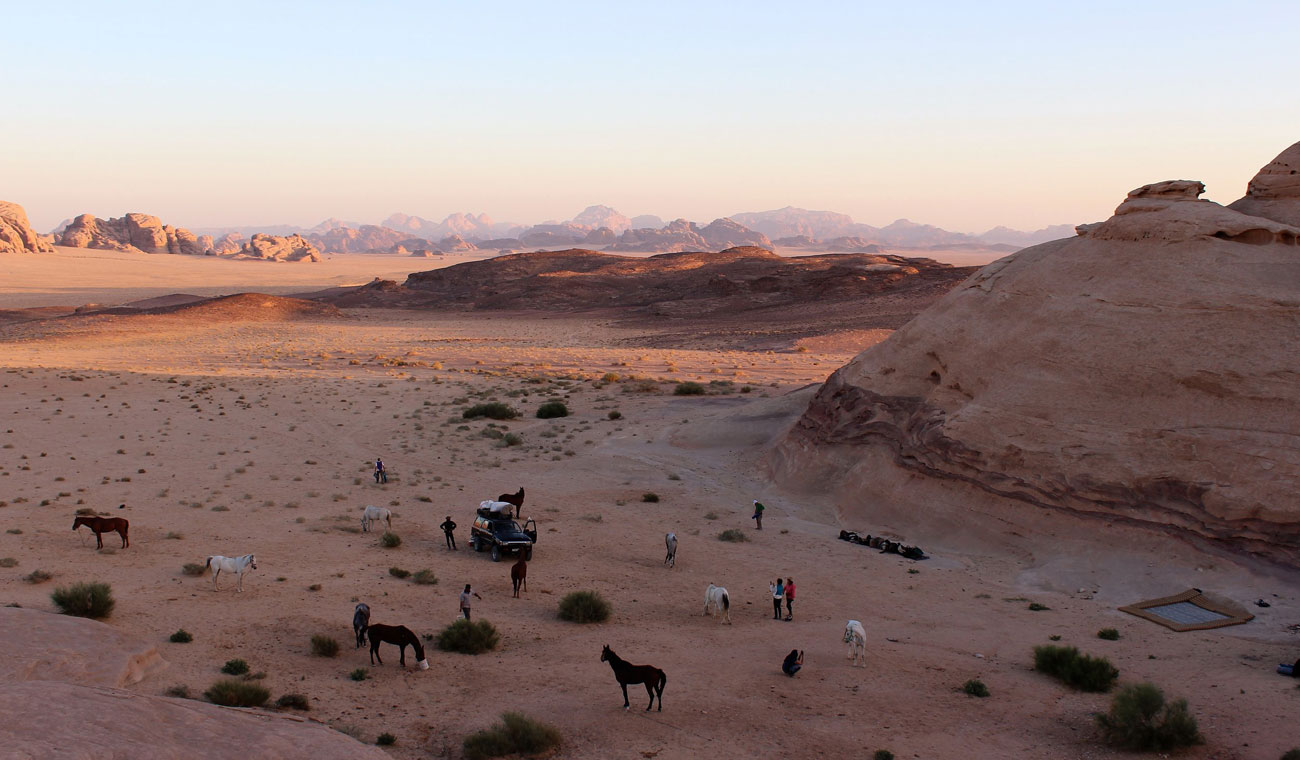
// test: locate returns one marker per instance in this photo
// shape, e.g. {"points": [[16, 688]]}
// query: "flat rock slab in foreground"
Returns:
{"points": [[41, 646], [60, 721]]}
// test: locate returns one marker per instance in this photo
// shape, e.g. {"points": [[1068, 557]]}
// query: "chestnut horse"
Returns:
{"points": [[519, 575], [105, 525]]}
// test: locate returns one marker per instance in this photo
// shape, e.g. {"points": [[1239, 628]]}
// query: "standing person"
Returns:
{"points": [[464, 600], [778, 591], [447, 527], [758, 513], [380, 472], [793, 662], [789, 598]]}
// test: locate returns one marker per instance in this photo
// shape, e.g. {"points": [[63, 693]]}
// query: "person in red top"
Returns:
{"points": [[789, 598]]}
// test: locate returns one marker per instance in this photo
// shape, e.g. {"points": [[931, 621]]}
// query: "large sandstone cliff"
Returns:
{"points": [[1145, 371], [132, 232], [16, 234]]}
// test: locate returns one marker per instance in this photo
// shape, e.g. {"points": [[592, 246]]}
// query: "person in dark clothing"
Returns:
{"points": [[793, 662], [381, 474], [447, 527]]}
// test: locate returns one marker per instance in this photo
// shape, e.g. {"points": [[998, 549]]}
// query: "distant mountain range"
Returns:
{"points": [[606, 228]]}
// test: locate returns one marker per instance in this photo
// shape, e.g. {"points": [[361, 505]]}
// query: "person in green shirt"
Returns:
{"points": [[758, 513]]}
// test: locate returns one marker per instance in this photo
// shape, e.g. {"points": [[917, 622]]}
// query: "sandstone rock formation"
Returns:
{"points": [[364, 239], [683, 235], [16, 234], [1143, 371], [41, 646], [228, 243], [132, 232], [276, 248], [453, 243], [595, 217], [1274, 193], [600, 236]]}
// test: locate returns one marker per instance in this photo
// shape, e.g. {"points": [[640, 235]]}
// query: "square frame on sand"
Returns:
{"points": [[1188, 611]]}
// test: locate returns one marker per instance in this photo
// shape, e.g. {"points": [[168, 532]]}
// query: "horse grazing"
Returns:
{"points": [[856, 638], [515, 498], [360, 622], [103, 525], [395, 634], [519, 575], [236, 565], [626, 673], [671, 558], [375, 514], [715, 597]]}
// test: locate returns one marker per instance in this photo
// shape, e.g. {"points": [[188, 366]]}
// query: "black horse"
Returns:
{"points": [[394, 634], [626, 673], [514, 498], [360, 622]]}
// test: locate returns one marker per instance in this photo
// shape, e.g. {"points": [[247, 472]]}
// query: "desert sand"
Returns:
{"points": [[245, 434]]}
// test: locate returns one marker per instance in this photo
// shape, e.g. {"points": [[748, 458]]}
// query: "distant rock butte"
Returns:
{"points": [[16, 234], [132, 232], [1140, 371], [275, 248]]}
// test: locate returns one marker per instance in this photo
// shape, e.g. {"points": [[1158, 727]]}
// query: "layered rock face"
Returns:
{"points": [[1144, 371], [16, 234], [277, 248], [132, 232]]}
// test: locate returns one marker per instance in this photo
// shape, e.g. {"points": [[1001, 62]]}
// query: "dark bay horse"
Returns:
{"points": [[519, 575], [105, 525], [516, 498], [395, 634], [626, 673], [360, 622]]}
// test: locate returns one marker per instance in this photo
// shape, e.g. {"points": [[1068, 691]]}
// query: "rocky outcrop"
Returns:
{"points": [[276, 248], [500, 243], [595, 217], [725, 233], [1274, 193], [564, 233], [454, 243], [16, 234], [133, 232], [228, 243], [1139, 372], [41, 646], [683, 235], [367, 238], [600, 236]]}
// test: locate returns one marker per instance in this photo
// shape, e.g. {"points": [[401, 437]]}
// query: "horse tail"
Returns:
{"points": [[207, 564], [726, 601]]}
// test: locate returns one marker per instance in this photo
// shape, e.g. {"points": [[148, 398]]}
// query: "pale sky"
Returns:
{"points": [[963, 115]]}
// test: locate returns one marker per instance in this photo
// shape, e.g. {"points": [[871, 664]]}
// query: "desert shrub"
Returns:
{"points": [[293, 702], [1078, 671], [390, 540], [37, 576], [180, 691], [386, 740], [516, 734], [975, 688], [584, 607], [88, 600], [615, 414], [494, 410], [360, 674], [232, 692], [468, 637], [235, 667], [424, 577], [8, 562], [398, 572], [1140, 719], [882, 754], [1036, 607], [1292, 754], [552, 409], [324, 646], [192, 568], [650, 496], [181, 636], [1109, 634], [512, 439], [688, 388], [734, 535]]}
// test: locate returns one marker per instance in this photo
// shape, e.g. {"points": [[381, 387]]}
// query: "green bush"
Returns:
{"points": [[360, 674], [1109, 634], [181, 636], [192, 568], [324, 646], [88, 600], [1140, 719], [8, 562], [975, 688], [494, 410], [1078, 671], [424, 578], [390, 540], [584, 607], [232, 692], [511, 439], [468, 637], [1036, 607], [293, 702], [398, 572], [37, 576], [650, 496], [235, 667], [1292, 754], [615, 414], [386, 740], [882, 754], [180, 691], [516, 734], [552, 409], [688, 388], [734, 535]]}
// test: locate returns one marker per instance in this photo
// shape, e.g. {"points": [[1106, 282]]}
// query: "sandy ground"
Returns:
{"points": [[258, 437]]}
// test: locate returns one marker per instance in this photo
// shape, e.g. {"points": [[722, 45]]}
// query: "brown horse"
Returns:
{"points": [[626, 673], [105, 525], [399, 635], [514, 498], [519, 575]]}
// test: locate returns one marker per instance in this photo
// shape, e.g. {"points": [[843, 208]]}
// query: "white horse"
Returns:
{"points": [[856, 637], [236, 565], [671, 541], [715, 597], [374, 514]]}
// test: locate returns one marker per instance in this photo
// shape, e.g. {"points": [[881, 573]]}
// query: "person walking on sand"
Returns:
{"points": [[758, 513], [447, 527], [793, 662], [789, 598], [381, 474], [464, 600], [778, 591]]}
